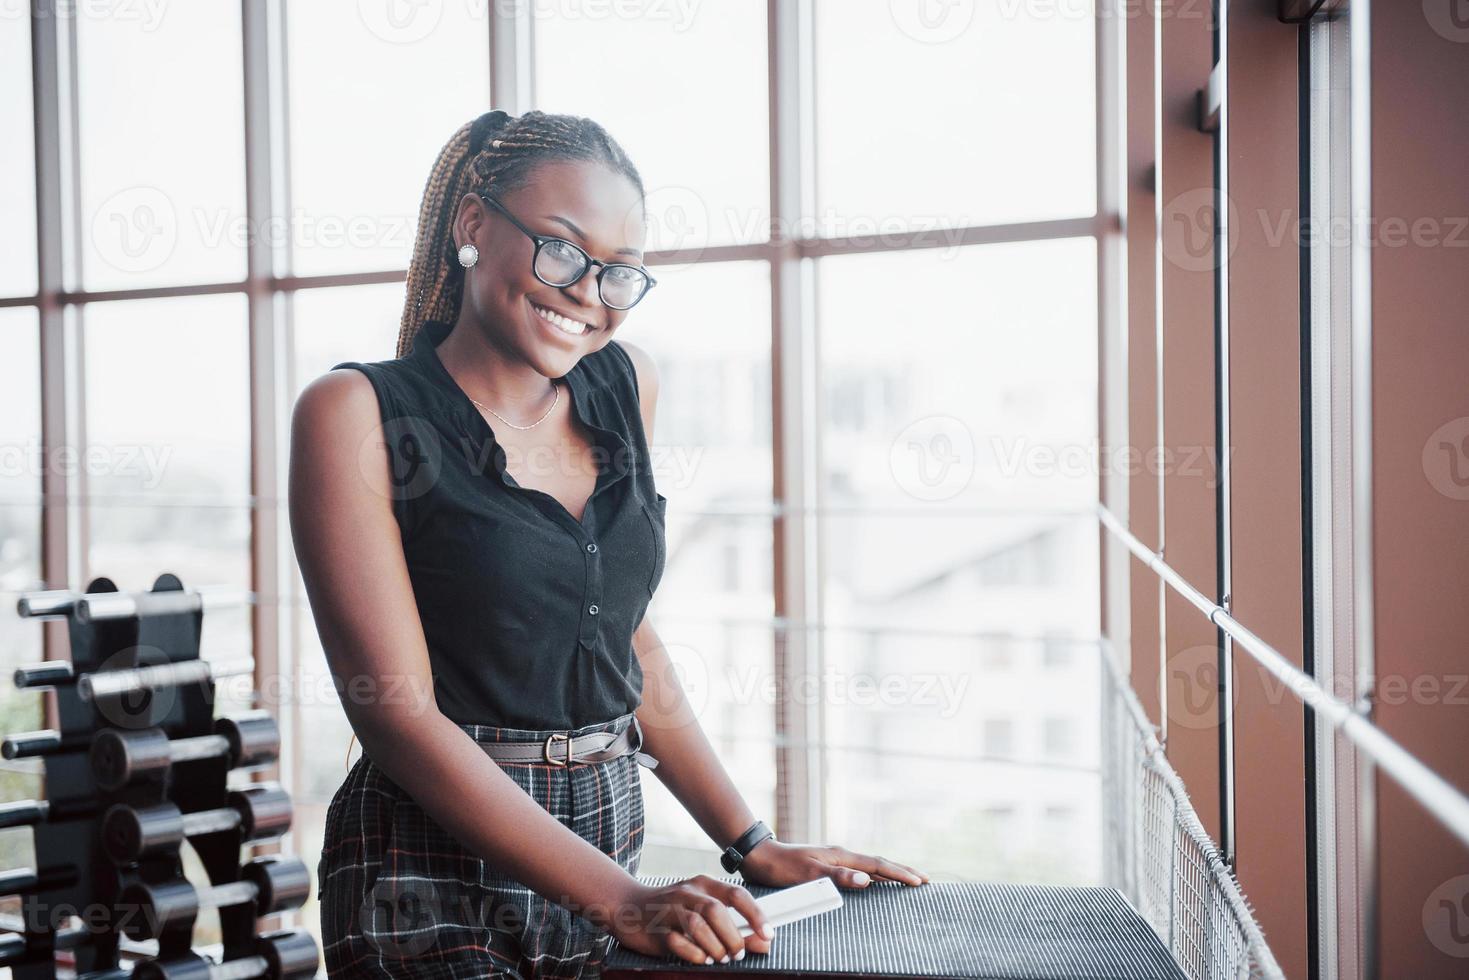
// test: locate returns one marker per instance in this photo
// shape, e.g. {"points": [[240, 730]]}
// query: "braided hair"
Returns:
{"points": [[498, 151]]}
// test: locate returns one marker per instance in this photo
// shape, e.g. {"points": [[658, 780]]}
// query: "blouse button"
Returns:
{"points": [[592, 609], [591, 547]]}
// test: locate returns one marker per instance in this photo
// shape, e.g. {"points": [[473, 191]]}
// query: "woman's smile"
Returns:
{"points": [[560, 323]]}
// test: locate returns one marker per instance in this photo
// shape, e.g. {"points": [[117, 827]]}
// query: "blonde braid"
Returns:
{"points": [[497, 150]]}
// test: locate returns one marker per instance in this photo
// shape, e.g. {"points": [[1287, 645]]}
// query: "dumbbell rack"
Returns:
{"points": [[134, 665]]}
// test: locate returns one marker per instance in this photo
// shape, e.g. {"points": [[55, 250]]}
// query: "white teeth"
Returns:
{"points": [[574, 327]]}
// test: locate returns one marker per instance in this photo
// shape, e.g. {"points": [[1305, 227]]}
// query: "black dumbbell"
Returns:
{"points": [[288, 954], [30, 745], [26, 880], [120, 756], [24, 813], [111, 683], [271, 883], [13, 946], [261, 812], [50, 673]]}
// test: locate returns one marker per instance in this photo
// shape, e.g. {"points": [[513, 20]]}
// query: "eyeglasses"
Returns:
{"points": [[560, 263]]}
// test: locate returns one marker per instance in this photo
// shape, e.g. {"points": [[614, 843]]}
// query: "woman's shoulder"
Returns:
{"points": [[624, 367], [395, 380]]}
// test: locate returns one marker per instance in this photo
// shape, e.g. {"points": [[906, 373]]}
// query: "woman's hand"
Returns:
{"points": [[690, 919], [773, 862]]}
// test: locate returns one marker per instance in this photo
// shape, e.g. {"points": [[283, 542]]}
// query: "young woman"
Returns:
{"points": [[479, 535]]}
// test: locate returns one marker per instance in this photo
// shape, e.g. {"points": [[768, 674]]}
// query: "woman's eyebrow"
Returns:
{"points": [[583, 235]]}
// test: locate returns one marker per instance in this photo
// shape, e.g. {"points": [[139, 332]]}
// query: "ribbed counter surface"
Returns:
{"points": [[951, 929]]}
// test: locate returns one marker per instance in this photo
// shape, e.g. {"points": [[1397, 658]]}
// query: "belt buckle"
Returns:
{"points": [[546, 749]]}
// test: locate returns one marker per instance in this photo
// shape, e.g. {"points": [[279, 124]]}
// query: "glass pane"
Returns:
{"points": [[725, 669], [162, 146], [711, 438], [714, 603], [17, 160], [368, 119], [718, 569], [134, 543], [1027, 574], [168, 440], [167, 398], [960, 380], [981, 114], [1020, 824], [353, 323], [21, 461], [20, 553], [960, 556], [912, 717], [683, 89]]}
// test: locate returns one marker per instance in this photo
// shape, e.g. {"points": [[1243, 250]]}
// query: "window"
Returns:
{"points": [[1020, 76], [367, 121], [17, 162], [682, 88], [999, 737], [935, 455], [161, 123], [21, 461]]}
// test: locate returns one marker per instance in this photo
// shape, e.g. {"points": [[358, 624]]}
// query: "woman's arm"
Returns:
{"points": [[689, 767], [349, 549]]}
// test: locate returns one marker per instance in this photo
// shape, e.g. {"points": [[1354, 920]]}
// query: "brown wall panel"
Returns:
{"points": [[1142, 388], [1266, 513], [1186, 190], [1420, 305]]}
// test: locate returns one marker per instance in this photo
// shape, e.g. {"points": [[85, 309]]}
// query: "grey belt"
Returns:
{"points": [[564, 749]]}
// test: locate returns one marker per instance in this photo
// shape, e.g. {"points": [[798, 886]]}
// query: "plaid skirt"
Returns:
{"points": [[400, 897]]}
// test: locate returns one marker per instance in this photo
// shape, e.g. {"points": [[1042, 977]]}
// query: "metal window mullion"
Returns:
{"points": [[1113, 409], [512, 57], [1158, 270], [1359, 29], [1332, 600], [799, 812], [269, 574], [53, 67], [1223, 436]]}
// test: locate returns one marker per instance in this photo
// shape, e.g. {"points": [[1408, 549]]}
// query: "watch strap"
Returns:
{"points": [[734, 855]]}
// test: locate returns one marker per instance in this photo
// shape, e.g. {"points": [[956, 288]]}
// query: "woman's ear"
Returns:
{"points": [[467, 220]]}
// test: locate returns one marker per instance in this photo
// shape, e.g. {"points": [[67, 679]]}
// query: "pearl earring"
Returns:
{"points": [[468, 256]]}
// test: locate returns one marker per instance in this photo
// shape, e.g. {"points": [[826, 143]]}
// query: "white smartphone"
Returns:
{"points": [[794, 904]]}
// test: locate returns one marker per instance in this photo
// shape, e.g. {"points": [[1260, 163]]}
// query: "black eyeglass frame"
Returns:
{"points": [[541, 241]]}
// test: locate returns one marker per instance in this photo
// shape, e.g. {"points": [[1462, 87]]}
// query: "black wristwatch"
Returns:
{"points": [[734, 855]]}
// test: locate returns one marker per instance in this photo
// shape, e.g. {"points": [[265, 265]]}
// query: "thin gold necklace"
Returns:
{"points": [[556, 398]]}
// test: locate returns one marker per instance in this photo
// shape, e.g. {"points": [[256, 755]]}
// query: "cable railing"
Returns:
{"points": [[1160, 856], [1441, 799]]}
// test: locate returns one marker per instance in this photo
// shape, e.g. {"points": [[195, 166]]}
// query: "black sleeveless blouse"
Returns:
{"points": [[528, 613]]}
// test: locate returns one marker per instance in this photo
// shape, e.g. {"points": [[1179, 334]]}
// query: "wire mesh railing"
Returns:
{"points": [[1159, 855]]}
